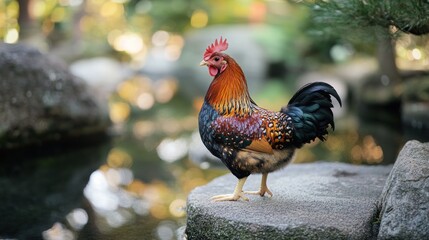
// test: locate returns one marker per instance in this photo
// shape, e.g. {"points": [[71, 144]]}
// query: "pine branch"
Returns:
{"points": [[363, 15]]}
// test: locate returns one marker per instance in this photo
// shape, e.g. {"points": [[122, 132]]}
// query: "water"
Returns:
{"points": [[134, 185]]}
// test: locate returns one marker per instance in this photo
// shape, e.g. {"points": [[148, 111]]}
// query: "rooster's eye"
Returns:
{"points": [[216, 59]]}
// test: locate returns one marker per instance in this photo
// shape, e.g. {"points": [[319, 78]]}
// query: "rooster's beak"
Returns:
{"points": [[202, 63]]}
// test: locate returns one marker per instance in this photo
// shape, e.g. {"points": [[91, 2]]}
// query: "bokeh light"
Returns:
{"points": [[165, 90], [145, 101], [177, 208], [12, 36], [77, 219], [160, 38], [119, 158], [58, 231], [119, 112], [367, 152], [129, 42], [171, 150], [199, 19]]}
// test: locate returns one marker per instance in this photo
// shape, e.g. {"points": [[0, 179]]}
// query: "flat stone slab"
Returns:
{"points": [[311, 201]]}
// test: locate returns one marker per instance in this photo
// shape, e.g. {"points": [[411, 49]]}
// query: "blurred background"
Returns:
{"points": [[99, 100]]}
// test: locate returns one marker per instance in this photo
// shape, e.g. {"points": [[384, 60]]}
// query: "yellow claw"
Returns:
{"points": [[229, 197], [261, 192], [238, 193], [264, 189]]}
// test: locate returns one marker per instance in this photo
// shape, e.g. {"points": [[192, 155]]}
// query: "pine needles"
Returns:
{"points": [[340, 17]]}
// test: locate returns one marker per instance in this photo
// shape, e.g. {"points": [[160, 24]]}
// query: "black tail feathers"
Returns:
{"points": [[310, 111]]}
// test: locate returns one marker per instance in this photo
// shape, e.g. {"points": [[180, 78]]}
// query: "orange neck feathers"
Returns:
{"points": [[228, 92]]}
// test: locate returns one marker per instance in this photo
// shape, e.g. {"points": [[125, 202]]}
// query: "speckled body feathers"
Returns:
{"points": [[230, 138]]}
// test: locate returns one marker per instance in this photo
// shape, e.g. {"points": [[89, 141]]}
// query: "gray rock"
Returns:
{"points": [[311, 201], [405, 198], [41, 101]]}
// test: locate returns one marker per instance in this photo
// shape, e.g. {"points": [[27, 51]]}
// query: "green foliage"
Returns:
{"points": [[172, 16], [285, 39], [370, 17], [408, 16]]}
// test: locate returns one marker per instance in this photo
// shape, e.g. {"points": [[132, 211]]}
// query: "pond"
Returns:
{"points": [[133, 184]]}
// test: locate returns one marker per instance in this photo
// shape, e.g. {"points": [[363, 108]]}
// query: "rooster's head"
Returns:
{"points": [[214, 59]]}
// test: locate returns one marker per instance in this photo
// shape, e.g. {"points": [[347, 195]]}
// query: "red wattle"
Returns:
{"points": [[213, 71]]}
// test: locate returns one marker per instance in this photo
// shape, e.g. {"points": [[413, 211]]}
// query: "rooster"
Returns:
{"points": [[248, 138]]}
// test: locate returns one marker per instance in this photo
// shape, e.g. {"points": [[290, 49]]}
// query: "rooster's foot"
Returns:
{"points": [[261, 192], [264, 189], [238, 193], [230, 197]]}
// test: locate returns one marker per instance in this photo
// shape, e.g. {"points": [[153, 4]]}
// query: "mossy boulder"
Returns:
{"points": [[41, 101]]}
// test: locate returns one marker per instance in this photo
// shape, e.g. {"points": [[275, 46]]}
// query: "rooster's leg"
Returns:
{"points": [[238, 193], [264, 189]]}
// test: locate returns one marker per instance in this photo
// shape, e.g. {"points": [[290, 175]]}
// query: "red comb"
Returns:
{"points": [[215, 47]]}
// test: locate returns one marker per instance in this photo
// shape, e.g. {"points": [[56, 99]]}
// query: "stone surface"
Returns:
{"points": [[311, 201], [41, 101], [405, 198]]}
